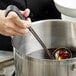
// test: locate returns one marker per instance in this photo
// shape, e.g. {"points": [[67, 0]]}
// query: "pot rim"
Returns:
{"points": [[53, 20], [49, 60]]}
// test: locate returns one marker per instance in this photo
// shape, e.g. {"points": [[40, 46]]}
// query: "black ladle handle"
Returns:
{"points": [[16, 10]]}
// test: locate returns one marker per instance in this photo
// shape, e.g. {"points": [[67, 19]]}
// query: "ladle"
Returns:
{"points": [[61, 53], [16, 10]]}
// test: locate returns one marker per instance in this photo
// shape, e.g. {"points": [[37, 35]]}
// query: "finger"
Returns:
{"points": [[26, 12], [8, 33], [13, 17], [22, 31], [2, 15], [11, 26], [13, 33], [29, 19], [26, 23], [22, 23]]}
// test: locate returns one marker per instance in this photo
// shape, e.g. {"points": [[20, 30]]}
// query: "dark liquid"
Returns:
{"points": [[61, 53], [41, 54]]}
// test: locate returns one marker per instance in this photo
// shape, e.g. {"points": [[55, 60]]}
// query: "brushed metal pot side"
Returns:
{"points": [[28, 66], [54, 33]]}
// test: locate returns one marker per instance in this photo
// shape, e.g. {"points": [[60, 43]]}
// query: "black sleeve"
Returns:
{"points": [[19, 3], [43, 9]]}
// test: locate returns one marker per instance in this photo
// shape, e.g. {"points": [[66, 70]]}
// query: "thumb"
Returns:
{"points": [[26, 12]]}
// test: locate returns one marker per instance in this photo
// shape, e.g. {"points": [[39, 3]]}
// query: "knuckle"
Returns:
{"points": [[12, 15], [26, 24]]}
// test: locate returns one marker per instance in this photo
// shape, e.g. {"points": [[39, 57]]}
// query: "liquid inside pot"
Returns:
{"points": [[41, 54]]}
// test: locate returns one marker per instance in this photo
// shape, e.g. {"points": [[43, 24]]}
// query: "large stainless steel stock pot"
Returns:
{"points": [[32, 60]]}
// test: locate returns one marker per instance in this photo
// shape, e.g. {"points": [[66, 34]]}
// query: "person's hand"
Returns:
{"points": [[12, 25]]}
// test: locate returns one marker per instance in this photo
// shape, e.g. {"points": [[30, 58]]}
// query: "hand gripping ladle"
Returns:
{"points": [[17, 11]]}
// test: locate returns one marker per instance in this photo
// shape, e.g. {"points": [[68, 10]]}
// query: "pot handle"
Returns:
{"points": [[73, 66]]}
